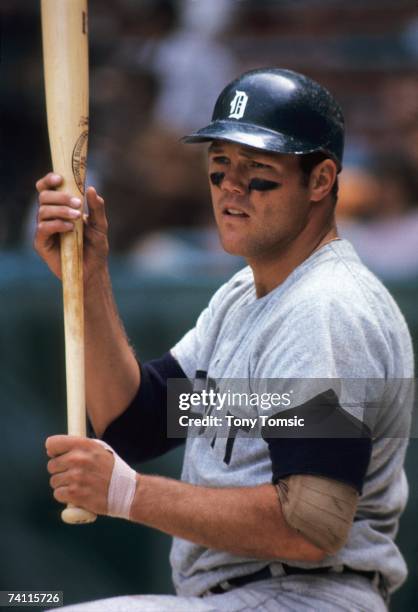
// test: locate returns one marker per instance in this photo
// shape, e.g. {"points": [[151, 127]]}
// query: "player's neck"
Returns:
{"points": [[269, 273]]}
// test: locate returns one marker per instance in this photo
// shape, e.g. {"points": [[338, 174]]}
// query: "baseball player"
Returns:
{"points": [[260, 519]]}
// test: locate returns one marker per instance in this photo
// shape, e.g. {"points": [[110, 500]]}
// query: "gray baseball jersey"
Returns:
{"points": [[330, 319]]}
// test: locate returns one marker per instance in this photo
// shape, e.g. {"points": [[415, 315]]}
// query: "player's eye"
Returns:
{"points": [[256, 164], [220, 159]]}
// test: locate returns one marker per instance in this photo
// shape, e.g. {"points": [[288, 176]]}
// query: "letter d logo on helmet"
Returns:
{"points": [[238, 105], [279, 111]]}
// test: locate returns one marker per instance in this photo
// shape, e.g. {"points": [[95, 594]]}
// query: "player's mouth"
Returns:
{"points": [[231, 211]]}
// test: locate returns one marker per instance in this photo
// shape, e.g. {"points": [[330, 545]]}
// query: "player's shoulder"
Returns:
{"points": [[238, 289], [332, 306], [336, 279]]}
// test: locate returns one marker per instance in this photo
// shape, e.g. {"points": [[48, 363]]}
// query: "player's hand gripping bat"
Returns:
{"points": [[65, 48]]}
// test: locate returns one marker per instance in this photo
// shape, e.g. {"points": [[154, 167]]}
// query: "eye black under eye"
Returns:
{"points": [[258, 184], [216, 178]]}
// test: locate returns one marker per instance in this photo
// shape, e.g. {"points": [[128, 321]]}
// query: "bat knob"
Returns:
{"points": [[77, 516]]}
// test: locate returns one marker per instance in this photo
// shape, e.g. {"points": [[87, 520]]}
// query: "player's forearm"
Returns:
{"points": [[112, 373], [245, 521]]}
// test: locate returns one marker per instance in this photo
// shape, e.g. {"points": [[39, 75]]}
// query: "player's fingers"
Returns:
{"points": [[45, 230], [97, 217], [59, 198], [61, 443], [48, 212], [71, 494], [49, 181], [60, 479], [76, 460], [58, 465], [62, 494], [66, 478]]}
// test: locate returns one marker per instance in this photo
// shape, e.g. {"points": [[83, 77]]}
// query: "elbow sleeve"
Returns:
{"points": [[320, 509]]}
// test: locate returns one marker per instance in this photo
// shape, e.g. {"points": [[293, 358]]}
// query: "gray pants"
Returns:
{"points": [[333, 593]]}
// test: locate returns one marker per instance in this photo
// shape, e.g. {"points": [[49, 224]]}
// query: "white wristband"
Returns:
{"points": [[122, 486]]}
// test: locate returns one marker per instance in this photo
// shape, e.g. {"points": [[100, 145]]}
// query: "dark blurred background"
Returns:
{"points": [[157, 67]]}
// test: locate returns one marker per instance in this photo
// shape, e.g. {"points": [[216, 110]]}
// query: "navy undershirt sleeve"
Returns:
{"points": [[140, 432], [341, 451]]}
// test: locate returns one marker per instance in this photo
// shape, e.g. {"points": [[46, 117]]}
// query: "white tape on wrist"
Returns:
{"points": [[122, 486]]}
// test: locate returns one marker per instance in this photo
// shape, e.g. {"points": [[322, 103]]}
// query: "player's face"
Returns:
{"points": [[259, 200]]}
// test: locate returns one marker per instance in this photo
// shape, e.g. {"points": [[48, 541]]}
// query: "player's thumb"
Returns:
{"points": [[96, 210]]}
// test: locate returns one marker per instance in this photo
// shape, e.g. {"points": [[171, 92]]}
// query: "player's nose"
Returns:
{"points": [[234, 182]]}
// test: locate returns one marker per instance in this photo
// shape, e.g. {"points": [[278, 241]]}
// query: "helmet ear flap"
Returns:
{"points": [[279, 111]]}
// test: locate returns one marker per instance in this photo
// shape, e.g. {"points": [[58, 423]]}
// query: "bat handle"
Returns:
{"points": [[72, 273], [76, 516]]}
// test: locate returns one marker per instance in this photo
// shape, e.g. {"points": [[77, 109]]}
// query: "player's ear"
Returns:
{"points": [[322, 178]]}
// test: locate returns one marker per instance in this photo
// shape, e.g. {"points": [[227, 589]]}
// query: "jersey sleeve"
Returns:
{"points": [[140, 432], [193, 349], [330, 356], [187, 350], [341, 451]]}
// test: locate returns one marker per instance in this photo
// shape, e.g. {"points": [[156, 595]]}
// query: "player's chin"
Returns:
{"points": [[234, 245]]}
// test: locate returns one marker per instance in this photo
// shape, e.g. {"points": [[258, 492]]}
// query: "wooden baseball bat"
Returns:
{"points": [[65, 50]]}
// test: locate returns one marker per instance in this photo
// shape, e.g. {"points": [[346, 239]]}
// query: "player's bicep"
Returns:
{"points": [[332, 443]]}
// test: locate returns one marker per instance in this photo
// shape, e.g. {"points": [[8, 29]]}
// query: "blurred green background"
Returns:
{"points": [[111, 557]]}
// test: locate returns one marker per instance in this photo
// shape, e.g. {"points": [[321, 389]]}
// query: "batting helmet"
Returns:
{"points": [[277, 110]]}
